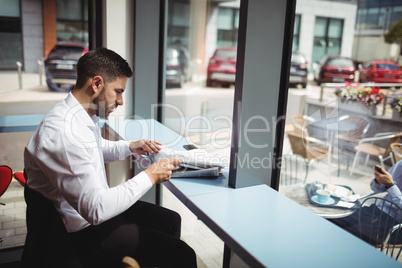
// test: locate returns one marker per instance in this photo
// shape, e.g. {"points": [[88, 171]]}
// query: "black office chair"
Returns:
{"points": [[383, 230], [48, 244]]}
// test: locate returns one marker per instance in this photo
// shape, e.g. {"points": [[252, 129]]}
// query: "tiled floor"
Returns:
{"points": [[12, 217]]}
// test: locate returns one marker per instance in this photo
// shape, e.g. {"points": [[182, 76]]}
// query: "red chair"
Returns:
{"points": [[19, 176], [6, 176]]}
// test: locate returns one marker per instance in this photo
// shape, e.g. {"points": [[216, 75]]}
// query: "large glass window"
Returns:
{"points": [[200, 83], [200, 74], [72, 20], [10, 34], [326, 122]]}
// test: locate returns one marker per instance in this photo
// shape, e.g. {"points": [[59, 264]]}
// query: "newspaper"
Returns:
{"points": [[196, 163]]}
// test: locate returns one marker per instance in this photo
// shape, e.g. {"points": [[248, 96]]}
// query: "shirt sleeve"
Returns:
{"points": [[115, 150], [77, 174], [395, 191]]}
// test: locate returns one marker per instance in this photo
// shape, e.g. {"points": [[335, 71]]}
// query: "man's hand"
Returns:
{"points": [[384, 177], [162, 170], [145, 147]]}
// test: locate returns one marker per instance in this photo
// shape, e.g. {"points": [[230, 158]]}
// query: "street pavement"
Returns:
{"points": [[30, 97]]}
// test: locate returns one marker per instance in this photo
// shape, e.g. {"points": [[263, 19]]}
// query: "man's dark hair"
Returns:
{"points": [[103, 62]]}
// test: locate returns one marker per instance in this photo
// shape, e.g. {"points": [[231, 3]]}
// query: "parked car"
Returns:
{"points": [[298, 70], [222, 67], [179, 67], [61, 65], [381, 72], [334, 69]]}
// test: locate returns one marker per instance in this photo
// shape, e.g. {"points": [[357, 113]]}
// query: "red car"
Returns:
{"points": [[381, 72], [335, 69], [222, 67]]}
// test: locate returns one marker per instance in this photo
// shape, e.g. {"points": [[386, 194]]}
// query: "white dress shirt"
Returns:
{"points": [[64, 161]]}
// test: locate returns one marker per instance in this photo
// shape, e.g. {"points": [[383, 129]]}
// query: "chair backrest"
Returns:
{"points": [[396, 148], [298, 144], [6, 176], [293, 169], [19, 176], [301, 123], [380, 225], [48, 243], [395, 139], [362, 123]]}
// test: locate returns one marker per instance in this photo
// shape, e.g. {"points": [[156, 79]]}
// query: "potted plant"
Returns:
{"points": [[367, 96]]}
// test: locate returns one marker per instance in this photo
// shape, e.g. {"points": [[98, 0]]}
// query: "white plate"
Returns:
{"points": [[329, 202]]}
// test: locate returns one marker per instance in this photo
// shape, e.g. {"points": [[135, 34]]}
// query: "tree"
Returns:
{"points": [[394, 34]]}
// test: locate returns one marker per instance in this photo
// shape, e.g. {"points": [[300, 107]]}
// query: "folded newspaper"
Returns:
{"points": [[196, 163]]}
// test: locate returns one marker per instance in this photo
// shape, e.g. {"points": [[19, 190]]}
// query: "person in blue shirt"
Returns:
{"points": [[384, 181]]}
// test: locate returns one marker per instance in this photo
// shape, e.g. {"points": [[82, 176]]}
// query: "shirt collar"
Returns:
{"points": [[80, 113]]}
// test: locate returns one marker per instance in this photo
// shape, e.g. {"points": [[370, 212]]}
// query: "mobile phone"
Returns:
{"points": [[378, 169], [190, 147]]}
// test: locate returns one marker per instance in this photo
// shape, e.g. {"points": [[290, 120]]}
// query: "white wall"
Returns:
{"points": [[119, 38], [374, 48], [310, 9]]}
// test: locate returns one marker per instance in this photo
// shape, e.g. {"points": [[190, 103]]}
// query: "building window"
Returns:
{"points": [[228, 22], [327, 37], [10, 34], [378, 15], [296, 33], [178, 23], [72, 20]]}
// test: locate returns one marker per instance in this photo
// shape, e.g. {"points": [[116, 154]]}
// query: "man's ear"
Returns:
{"points": [[97, 84]]}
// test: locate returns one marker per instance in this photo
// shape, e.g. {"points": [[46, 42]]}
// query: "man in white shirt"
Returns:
{"points": [[64, 161]]}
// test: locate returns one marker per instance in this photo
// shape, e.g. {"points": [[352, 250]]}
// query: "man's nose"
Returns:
{"points": [[119, 101]]}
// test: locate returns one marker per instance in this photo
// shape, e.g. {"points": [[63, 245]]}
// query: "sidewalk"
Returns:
{"points": [[31, 88]]}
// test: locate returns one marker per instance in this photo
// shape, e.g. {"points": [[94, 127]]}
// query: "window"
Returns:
{"points": [[228, 21], [378, 15], [178, 23], [327, 37], [72, 20], [199, 75], [296, 33], [10, 34]]}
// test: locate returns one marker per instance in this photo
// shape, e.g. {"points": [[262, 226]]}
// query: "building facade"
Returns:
{"points": [[374, 19], [30, 28]]}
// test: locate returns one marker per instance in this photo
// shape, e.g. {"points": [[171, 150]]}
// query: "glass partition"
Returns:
{"points": [[345, 120], [200, 71]]}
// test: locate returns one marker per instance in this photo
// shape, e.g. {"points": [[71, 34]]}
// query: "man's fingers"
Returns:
{"points": [[152, 147], [176, 161]]}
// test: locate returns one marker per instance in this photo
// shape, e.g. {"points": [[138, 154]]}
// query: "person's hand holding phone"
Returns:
{"points": [[382, 176]]}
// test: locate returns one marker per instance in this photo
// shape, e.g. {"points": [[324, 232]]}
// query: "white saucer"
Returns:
{"points": [[329, 202]]}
